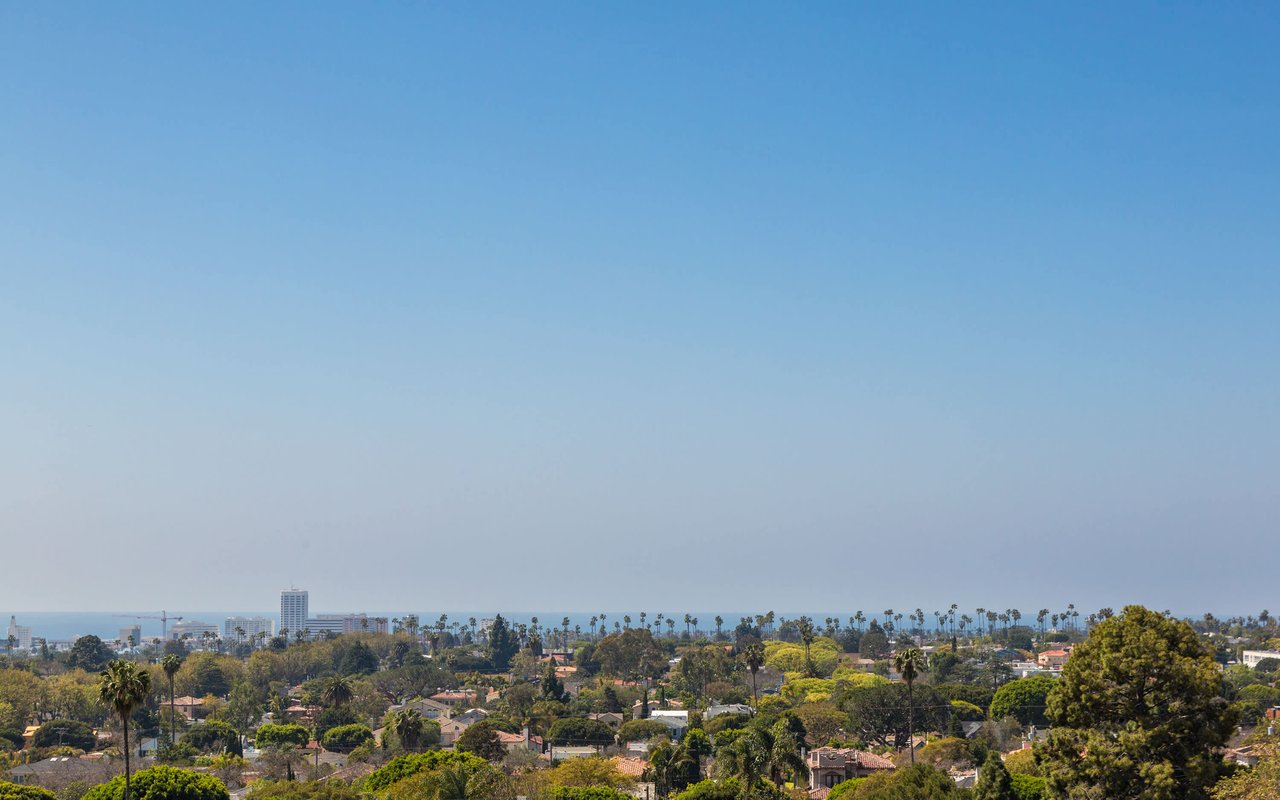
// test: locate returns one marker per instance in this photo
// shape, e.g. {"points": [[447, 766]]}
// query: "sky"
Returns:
{"points": [[604, 305]]}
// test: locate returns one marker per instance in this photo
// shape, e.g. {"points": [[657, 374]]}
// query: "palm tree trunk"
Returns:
{"points": [[910, 723], [125, 723], [173, 730]]}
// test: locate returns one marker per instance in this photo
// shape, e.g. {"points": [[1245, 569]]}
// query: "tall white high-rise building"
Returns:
{"points": [[20, 634], [293, 611]]}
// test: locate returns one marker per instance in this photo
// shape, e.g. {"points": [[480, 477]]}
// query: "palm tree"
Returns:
{"points": [[753, 658], [122, 688], [910, 663], [338, 691], [171, 664], [786, 754], [747, 758], [407, 725], [807, 636]]}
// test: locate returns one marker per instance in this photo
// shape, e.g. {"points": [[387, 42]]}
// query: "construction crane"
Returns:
{"points": [[164, 621]]}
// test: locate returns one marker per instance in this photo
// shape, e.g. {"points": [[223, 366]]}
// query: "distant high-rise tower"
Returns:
{"points": [[293, 611]]}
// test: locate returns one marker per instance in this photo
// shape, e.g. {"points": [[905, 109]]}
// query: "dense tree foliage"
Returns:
{"points": [[281, 736], [162, 783], [1139, 713], [13, 791], [345, 738], [1024, 699], [65, 732], [402, 767], [89, 653]]}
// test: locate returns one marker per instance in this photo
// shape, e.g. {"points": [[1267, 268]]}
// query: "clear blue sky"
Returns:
{"points": [[579, 305]]}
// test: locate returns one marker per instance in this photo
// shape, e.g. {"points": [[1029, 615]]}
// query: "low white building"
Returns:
{"points": [[252, 626], [1250, 658], [192, 629]]}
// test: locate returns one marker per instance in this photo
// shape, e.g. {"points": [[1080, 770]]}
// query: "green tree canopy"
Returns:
{"points": [[66, 732], [302, 790], [481, 739], [916, 782], [994, 782], [281, 735], [162, 783], [1024, 699], [13, 791], [640, 730], [345, 738], [632, 654], [401, 767], [89, 653], [1139, 713], [880, 714], [586, 793], [580, 731], [212, 737]]}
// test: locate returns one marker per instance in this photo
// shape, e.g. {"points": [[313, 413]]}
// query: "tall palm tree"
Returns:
{"points": [[122, 688], [747, 758], [910, 663], [338, 691], [786, 754], [753, 658], [407, 725], [171, 664]]}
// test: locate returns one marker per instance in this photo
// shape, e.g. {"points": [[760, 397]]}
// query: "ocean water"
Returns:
{"points": [[68, 625]]}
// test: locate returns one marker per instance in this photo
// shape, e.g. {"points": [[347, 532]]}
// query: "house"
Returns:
{"points": [[675, 719], [471, 716], [575, 751], [450, 730], [300, 714], [58, 773], [729, 708], [430, 709], [190, 707], [516, 742], [1247, 756], [831, 765], [455, 697], [1053, 659], [613, 719]]}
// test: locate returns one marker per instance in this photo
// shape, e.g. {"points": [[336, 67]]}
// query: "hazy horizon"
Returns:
{"points": [[575, 305]]}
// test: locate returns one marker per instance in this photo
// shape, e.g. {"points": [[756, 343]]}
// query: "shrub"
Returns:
{"points": [[162, 783], [1023, 699], [578, 730], [639, 730], [1029, 787], [302, 790], [65, 733], [12, 791], [402, 767], [345, 738], [280, 735], [213, 737], [586, 793]]}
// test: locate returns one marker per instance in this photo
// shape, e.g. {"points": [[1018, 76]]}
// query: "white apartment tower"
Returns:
{"points": [[293, 611], [20, 635]]}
